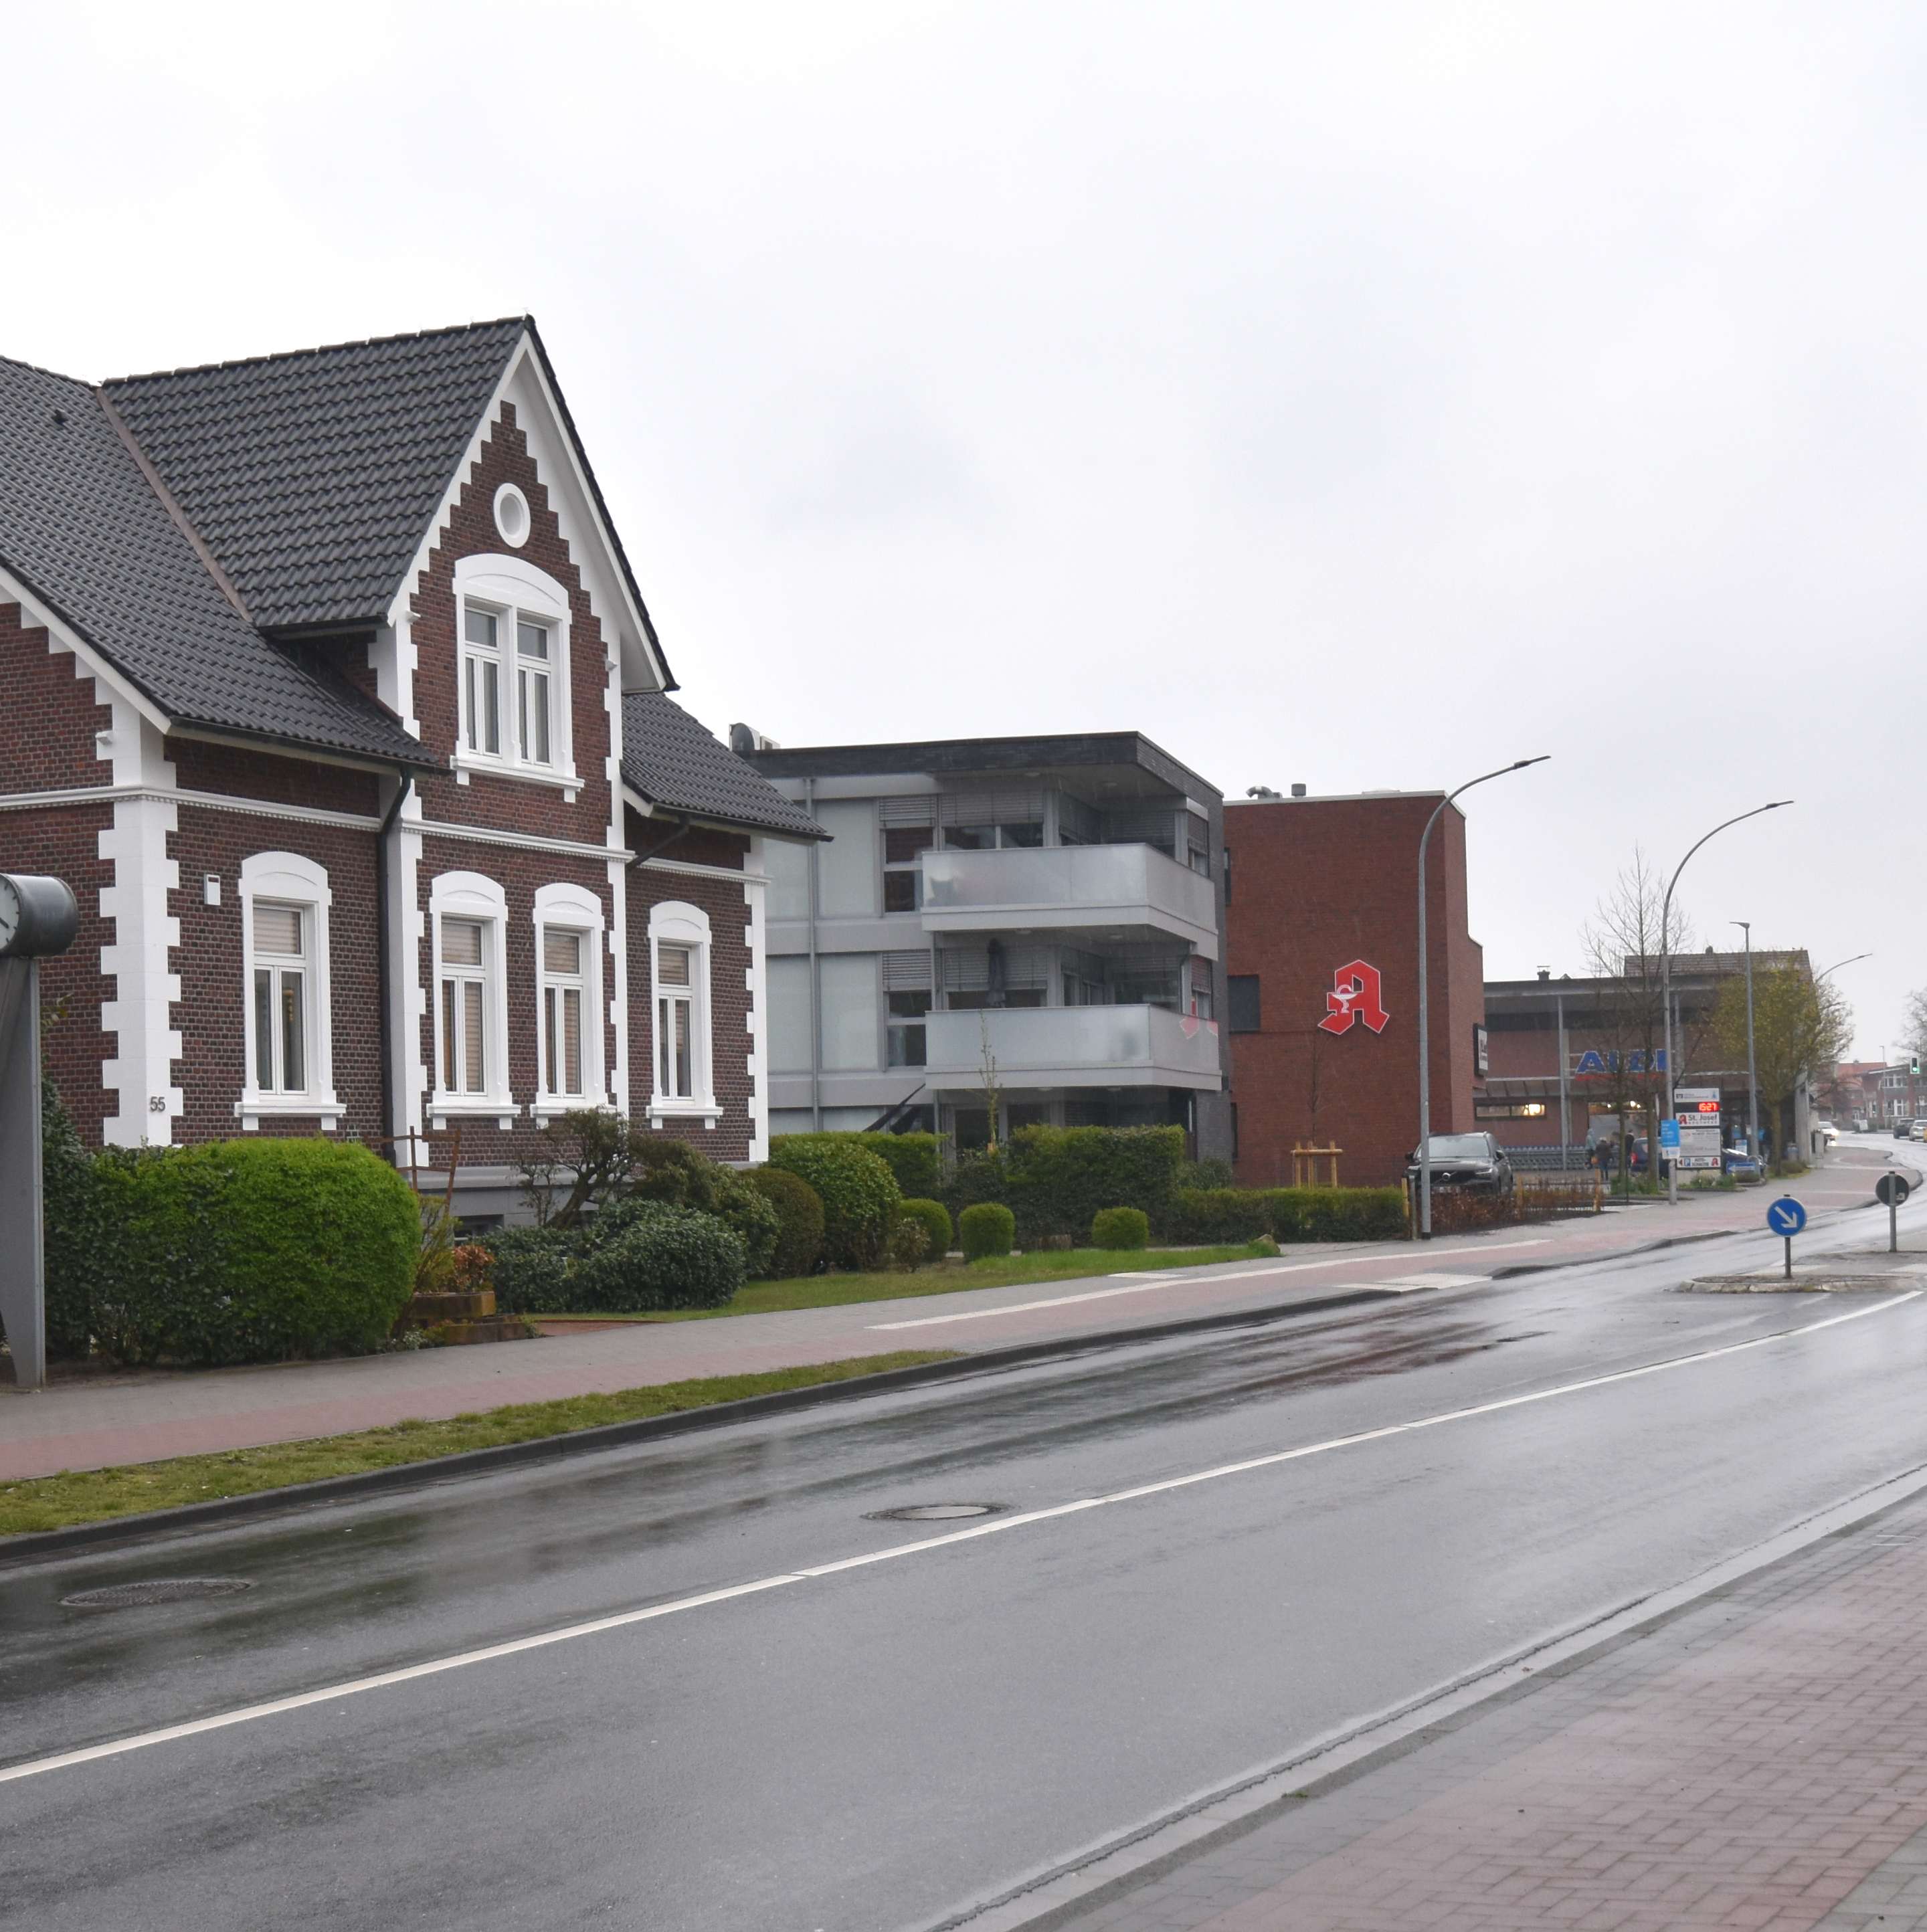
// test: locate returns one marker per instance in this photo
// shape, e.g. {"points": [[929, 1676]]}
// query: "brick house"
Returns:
{"points": [[332, 695]]}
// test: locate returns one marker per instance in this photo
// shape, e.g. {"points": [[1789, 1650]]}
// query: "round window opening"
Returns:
{"points": [[512, 515]]}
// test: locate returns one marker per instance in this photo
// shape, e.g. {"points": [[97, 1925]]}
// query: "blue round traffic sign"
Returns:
{"points": [[1786, 1216]]}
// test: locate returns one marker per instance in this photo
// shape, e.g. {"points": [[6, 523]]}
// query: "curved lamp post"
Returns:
{"points": [[1424, 1018], [1666, 974]]}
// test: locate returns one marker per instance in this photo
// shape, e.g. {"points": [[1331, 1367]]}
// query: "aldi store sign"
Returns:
{"points": [[1594, 1065]]}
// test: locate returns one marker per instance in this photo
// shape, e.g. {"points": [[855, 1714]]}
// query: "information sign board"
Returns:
{"points": [[1697, 1120]]}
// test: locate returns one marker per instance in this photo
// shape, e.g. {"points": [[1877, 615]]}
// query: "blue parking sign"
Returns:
{"points": [[1786, 1217]]}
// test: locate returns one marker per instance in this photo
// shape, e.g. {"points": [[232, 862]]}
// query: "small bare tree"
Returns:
{"points": [[1623, 943], [993, 1094]]}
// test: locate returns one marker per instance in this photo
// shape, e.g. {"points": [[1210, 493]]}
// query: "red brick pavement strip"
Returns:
{"points": [[1747, 1764]]}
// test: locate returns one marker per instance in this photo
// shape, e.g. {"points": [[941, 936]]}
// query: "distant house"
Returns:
{"points": [[331, 690]]}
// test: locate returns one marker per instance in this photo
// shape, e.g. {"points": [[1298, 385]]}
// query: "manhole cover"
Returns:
{"points": [[155, 1590], [934, 1512]]}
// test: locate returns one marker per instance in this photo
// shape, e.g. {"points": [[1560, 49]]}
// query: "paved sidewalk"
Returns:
{"points": [[1759, 1761], [145, 1417]]}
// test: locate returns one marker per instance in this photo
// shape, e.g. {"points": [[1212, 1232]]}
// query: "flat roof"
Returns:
{"points": [[1341, 797], [961, 757]]}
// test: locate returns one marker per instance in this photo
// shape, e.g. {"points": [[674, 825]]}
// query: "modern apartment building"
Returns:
{"points": [[1038, 918]]}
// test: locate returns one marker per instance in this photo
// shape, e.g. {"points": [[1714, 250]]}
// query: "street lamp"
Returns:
{"points": [[1666, 974], [1424, 1018], [1838, 963]]}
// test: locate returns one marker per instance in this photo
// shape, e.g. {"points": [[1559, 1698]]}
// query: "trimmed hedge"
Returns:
{"points": [[986, 1230], [858, 1192], [1120, 1228], [1290, 1213], [634, 1257], [237, 1251], [1054, 1179], [800, 1218], [916, 1160], [935, 1218]]}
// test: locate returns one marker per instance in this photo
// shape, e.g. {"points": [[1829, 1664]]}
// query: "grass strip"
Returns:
{"points": [[93, 1495], [833, 1291]]}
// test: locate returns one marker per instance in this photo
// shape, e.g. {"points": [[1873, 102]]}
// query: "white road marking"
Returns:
{"points": [[1139, 1285], [993, 1526]]}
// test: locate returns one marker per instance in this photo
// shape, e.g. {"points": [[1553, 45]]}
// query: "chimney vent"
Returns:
{"points": [[1297, 791]]}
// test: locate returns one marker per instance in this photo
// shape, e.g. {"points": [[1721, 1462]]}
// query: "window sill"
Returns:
{"points": [[553, 1106], [252, 1109], [566, 782], [707, 1112], [443, 1107]]}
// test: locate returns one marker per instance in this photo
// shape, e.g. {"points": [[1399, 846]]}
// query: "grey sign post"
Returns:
{"points": [[37, 917]]}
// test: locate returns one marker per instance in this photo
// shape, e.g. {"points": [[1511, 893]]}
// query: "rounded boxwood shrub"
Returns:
{"points": [[660, 1257], [935, 1218], [986, 1229], [1120, 1228], [532, 1269], [799, 1211], [249, 1251], [858, 1192]]}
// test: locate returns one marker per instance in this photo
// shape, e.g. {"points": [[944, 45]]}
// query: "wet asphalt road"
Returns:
{"points": [[880, 1746]]}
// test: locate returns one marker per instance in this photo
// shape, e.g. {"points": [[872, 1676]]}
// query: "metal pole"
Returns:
{"points": [[1752, 1071], [1424, 1016], [1564, 1119], [22, 1256], [1666, 974]]}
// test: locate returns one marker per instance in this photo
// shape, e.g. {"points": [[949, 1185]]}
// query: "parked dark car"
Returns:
{"points": [[1475, 1162], [1903, 1130]]}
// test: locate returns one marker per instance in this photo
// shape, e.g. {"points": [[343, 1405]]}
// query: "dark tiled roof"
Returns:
{"points": [[675, 764], [82, 528], [312, 476]]}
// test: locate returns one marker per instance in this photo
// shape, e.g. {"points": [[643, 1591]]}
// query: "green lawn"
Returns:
{"points": [[52, 1502], [831, 1291]]}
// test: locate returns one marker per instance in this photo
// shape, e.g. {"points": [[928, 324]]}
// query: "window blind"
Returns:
{"points": [[562, 950], [277, 930]]}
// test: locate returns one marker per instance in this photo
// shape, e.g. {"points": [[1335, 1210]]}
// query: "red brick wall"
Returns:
{"points": [[279, 780], [521, 874], [48, 744], [1315, 883], [211, 1016], [485, 800], [723, 901], [63, 841]]}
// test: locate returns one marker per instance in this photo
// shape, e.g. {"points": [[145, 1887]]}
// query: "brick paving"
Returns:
{"points": [[1759, 1761]]}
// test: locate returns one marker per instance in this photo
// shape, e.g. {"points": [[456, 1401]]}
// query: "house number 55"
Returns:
{"points": [[157, 1103]]}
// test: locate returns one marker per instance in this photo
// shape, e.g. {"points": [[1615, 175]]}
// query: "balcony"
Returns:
{"points": [[1109, 888], [1071, 1046]]}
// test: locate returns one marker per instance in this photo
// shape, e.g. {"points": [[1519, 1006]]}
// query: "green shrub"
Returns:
{"points": [[858, 1192], [1208, 1173], [532, 1269], [79, 1257], [799, 1210], [909, 1244], [661, 1256], [1058, 1177], [986, 1229], [1120, 1228], [916, 1160], [239, 1251], [1290, 1213], [980, 1174], [1220, 1213], [935, 1218]]}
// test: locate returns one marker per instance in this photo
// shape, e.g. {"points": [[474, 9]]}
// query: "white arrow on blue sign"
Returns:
{"points": [[1786, 1216]]}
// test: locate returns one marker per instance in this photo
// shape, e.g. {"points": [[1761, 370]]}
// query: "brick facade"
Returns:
{"points": [[211, 1072], [52, 746], [48, 688], [722, 901], [1315, 883]]}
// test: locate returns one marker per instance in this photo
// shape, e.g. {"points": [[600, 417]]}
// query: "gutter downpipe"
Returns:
{"points": [[383, 961], [815, 968], [1564, 1113]]}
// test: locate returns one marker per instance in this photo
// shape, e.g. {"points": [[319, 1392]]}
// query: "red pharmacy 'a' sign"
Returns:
{"points": [[1355, 995]]}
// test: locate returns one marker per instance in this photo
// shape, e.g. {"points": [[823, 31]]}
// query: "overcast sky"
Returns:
{"points": [[1362, 395]]}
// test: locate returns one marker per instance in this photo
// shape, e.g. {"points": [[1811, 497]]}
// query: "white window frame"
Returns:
{"points": [[290, 878], [675, 923], [513, 590], [579, 910], [472, 896]]}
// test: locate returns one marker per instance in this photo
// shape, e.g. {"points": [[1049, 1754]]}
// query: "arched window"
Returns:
{"points": [[513, 671], [573, 1068], [683, 1079], [289, 1041], [468, 922]]}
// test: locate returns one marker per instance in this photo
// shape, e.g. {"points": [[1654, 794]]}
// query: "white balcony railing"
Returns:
{"points": [[1071, 1046], [1069, 887]]}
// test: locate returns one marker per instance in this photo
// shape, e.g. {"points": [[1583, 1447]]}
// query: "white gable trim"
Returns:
{"points": [[592, 545]]}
